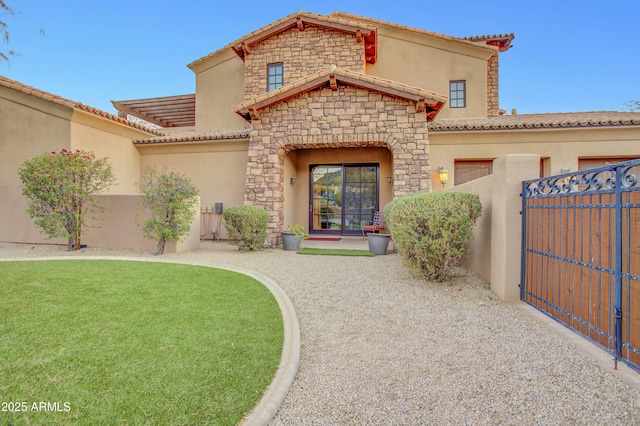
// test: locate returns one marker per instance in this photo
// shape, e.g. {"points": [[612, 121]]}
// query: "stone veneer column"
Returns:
{"points": [[493, 102]]}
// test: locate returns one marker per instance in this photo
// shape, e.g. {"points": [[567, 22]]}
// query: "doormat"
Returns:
{"points": [[324, 238], [335, 252]]}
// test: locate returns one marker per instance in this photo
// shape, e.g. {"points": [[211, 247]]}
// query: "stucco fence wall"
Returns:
{"points": [[494, 251], [119, 226]]}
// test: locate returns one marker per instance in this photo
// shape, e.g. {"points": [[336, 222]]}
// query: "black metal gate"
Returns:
{"points": [[581, 254]]}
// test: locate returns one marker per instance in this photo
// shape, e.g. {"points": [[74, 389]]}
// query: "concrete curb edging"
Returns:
{"points": [[273, 397]]}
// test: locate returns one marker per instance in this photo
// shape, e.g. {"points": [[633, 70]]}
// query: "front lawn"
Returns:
{"points": [[123, 342]]}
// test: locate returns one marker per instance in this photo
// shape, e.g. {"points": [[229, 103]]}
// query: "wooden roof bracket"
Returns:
{"points": [[333, 82], [359, 36], [245, 49], [300, 23], [254, 114], [421, 106]]}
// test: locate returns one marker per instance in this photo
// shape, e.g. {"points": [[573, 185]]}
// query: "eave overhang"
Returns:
{"points": [[429, 102], [364, 33], [168, 111]]}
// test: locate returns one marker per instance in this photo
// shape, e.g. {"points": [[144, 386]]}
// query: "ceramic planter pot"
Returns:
{"points": [[289, 241], [378, 243]]}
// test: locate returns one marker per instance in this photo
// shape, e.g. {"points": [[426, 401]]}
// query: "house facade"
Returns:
{"points": [[320, 119]]}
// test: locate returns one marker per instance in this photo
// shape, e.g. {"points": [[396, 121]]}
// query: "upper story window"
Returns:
{"points": [[458, 94], [275, 76]]}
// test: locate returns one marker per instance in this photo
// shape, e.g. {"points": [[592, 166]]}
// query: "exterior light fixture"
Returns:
{"points": [[389, 179], [443, 175], [292, 181]]}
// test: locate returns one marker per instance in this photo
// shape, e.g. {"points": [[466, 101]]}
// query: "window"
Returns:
{"points": [[457, 94], [275, 76], [468, 170]]}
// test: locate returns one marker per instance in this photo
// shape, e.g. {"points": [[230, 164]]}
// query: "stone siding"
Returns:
{"points": [[493, 102], [302, 53], [345, 118]]}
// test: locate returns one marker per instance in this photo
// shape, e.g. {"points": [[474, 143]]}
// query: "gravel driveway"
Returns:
{"points": [[379, 346]]}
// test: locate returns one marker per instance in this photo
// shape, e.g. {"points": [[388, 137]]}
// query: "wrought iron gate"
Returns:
{"points": [[581, 254]]}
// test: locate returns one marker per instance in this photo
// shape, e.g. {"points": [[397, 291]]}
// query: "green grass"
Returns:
{"points": [[134, 342], [334, 252]]}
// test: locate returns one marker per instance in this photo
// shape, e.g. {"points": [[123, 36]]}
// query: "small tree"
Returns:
{"points": [[170, 197], [62, 187]]}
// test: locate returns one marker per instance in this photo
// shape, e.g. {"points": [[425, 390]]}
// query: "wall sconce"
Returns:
{"points": [[443, 175], [292, 181], [389, 179]]}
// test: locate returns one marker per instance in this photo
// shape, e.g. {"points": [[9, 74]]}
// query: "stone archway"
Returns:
{"points": [[346, 118]]}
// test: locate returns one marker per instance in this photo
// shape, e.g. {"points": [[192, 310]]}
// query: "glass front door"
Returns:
{"points": [[342, 197]]}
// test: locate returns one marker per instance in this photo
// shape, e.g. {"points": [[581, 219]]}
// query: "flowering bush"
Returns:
{"points": [[62, 187]]}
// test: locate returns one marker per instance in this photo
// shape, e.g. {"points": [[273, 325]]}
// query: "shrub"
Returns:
{"points": [[247, 226], [62, 188], [170, 196], [431, 230]]}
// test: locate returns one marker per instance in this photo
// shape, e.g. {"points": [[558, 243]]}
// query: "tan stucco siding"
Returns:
{"points": [[430, 63], [298, 163], [28, 127], [218, 88], [108, 139], [302, 53], [560, 149], [217, 168]]}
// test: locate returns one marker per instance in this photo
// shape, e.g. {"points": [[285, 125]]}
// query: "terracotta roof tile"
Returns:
{"points": [[196, 136], [538, 121], [328, 19], [15, 85], [344, 75], [358, 18]]}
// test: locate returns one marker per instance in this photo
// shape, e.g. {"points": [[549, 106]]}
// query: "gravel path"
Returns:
{"points": [[382, 347]]}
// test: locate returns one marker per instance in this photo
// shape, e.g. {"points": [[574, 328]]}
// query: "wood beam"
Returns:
{"points": [[245, 49], [333, 82], [300, 23], [359, 37], [421, 106], [254, 114]]}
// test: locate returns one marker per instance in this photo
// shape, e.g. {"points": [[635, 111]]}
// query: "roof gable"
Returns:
{"points": [[426, 101], [365, 33]]}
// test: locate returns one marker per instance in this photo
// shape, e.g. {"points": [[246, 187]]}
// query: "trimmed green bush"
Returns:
{"points": [[431, 230], [247, 226]]}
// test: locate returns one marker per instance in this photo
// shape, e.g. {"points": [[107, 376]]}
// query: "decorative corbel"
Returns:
{"points": [[254, 114], [421, 106], [245, 49], [300, 23]]}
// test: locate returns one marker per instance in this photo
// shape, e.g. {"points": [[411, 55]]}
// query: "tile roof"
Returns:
{"points": [[313, 81], [538, 121], [20, 87], [196, 136], [352, 17], [289, 22]]}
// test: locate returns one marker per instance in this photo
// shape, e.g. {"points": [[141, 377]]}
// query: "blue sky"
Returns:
{"points": [[567, 56]]}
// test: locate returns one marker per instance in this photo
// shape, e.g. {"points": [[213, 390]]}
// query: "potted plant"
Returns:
{"points": [[378, 243], [291, 238]]}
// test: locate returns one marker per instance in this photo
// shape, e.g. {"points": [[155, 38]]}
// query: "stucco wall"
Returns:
{"points": [[560, 149], [430, 62], [28, 127], [219, 86], [107, 139], [120, 226], [218, 169], [494, 251]]}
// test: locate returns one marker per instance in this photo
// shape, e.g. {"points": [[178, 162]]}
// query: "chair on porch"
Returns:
{"points": [[377, 225]]}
